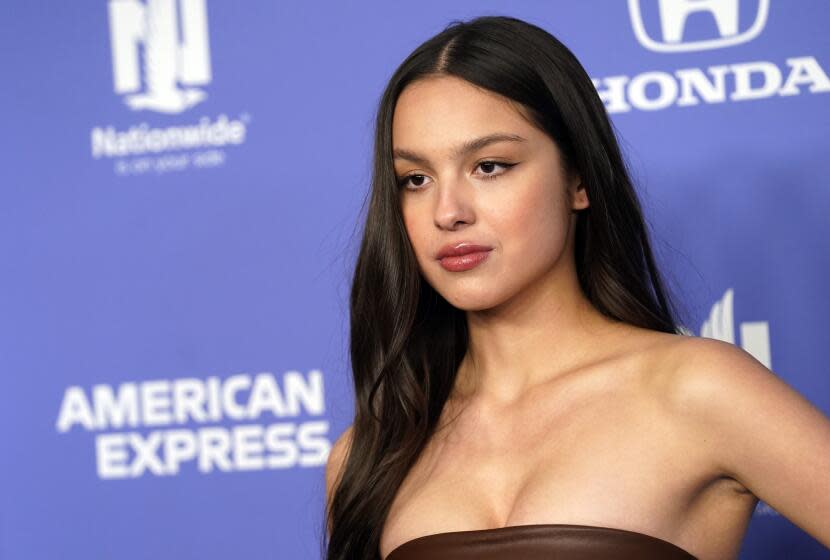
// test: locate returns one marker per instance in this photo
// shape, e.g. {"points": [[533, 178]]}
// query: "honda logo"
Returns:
{"points": [[674, 14]]}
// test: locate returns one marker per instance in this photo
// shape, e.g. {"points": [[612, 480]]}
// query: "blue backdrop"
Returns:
{"points": [[181, 202]]}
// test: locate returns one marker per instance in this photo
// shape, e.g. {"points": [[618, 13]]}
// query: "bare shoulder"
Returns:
{"points": [[699, 374], [702, 379], [334, 468], [334, 464], [757, 429], [693, 368]]}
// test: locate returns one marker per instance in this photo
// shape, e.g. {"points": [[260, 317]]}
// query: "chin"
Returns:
{"points": [[471, 300], [473, 307]]}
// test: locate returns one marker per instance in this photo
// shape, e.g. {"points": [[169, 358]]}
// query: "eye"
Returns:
{"points": [[486, 166], [405, 179], [490, 163]]}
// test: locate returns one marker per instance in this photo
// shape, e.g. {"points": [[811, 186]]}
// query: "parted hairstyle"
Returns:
{"points": [[406, 341]]}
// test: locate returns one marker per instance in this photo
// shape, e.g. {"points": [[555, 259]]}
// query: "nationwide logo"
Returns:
{"points": [[720, 83], [169, 63], [161, 64]]}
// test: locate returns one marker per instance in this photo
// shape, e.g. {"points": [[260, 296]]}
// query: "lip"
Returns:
{"points": [[459, 249], [462, 256]]}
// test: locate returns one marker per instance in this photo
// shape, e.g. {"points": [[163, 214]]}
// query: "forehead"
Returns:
{"points": [[440, 112]]}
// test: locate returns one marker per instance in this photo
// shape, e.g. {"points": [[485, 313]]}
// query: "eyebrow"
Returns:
{"points": [[462, 150]]}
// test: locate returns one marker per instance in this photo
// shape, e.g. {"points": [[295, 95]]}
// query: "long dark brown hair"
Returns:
{"points": [[406, 340]]}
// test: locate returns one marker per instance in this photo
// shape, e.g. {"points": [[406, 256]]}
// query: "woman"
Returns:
{"points": [[522, 385]]}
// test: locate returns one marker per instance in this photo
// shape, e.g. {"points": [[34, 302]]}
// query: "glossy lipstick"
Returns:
{"points": [[462, 256]]}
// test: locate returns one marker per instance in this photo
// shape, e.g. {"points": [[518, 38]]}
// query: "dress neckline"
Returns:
{"points": [[509, 529]]}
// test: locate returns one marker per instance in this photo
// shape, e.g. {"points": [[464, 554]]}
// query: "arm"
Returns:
{"points": [[764, 434], [334, 465]]}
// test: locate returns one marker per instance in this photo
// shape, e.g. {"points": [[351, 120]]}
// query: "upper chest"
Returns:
{"points": [[599, 451]]}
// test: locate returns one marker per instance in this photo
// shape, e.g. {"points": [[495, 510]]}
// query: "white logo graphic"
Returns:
{"points": [[166, 60], [721, 326], [673, 15], [276, 423]]}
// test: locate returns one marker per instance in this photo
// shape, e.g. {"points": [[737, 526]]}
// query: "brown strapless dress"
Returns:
{"points": [[543, 541]]}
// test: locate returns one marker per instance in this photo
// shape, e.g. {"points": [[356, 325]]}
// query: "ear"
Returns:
{"points": [[579, 194]]}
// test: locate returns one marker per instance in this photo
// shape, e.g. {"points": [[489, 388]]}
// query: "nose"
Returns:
{"points": [[453, 205]]}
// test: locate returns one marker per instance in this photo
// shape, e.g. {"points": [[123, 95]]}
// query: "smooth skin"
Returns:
{"points": [[559, 414]]}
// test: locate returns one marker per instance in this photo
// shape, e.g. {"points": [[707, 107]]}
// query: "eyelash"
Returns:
{"points": [[487, 176]]}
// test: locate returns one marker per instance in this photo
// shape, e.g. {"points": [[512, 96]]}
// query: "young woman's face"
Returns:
{"points": [[519, 206]]}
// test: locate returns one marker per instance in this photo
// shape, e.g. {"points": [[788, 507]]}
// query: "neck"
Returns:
{"points": [[543, 332]]}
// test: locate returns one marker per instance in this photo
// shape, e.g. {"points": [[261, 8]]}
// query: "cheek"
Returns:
{"points": [[533, 226], [416, 230]]}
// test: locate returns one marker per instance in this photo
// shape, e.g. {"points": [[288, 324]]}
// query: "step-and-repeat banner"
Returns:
{"points": [[181, 194]]}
